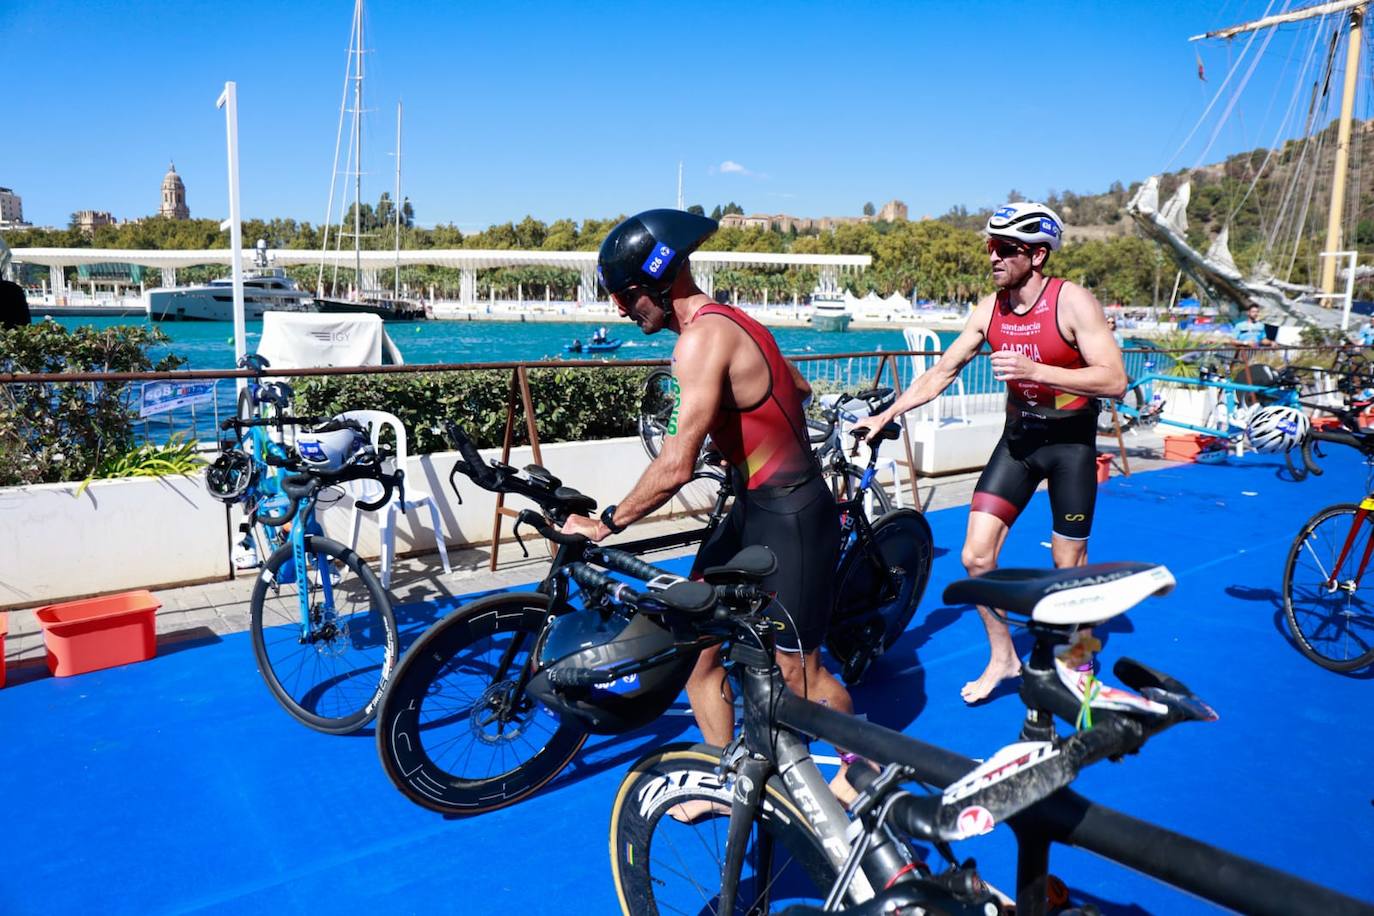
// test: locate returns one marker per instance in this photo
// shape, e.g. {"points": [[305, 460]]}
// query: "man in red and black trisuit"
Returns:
{"points": [[730, 382], [1052, 346]]}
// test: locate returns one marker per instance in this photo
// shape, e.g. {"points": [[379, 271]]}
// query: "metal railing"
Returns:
{"points": [[975, 393]]}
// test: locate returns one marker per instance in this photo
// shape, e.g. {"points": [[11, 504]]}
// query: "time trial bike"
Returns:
{"points": [[458, 732]]}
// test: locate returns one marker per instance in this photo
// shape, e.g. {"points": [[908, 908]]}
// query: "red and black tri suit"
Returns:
{"points": [[781, 501], [1050, 434]]}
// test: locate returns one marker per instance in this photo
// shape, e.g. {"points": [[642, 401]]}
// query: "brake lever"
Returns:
{"points": [[520, 520], [452, 484]]}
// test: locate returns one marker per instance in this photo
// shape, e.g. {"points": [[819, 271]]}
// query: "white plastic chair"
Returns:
{"points": [[924, 339], [375, 421]]}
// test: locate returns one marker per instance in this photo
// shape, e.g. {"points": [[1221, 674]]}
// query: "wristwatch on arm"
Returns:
{"points": [[608, 519]]}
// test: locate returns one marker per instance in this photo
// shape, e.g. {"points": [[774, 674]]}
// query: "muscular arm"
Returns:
{"points": [[701, 360]]}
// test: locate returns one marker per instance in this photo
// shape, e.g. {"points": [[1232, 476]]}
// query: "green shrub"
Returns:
{"points": [[571, 405], [55, 432], [176, 456]]}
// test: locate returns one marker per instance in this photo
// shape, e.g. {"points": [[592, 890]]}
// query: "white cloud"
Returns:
{"points": [[729, 165]]}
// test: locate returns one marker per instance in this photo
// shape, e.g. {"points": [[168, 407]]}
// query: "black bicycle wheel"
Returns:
{"points": [[877, 501], [1134, 402], [656, 410], [872, 610], [453, 736], [1329, 613], [661, 865], [328, 672]]}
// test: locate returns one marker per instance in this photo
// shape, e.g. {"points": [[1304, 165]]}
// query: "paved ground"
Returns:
{"points": [[222, 607]]}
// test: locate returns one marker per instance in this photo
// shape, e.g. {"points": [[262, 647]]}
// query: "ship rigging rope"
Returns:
{"points": [[1215, 98], [1284, 127], [1239, 90]]}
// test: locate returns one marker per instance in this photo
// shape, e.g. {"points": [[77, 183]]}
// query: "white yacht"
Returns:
{"points": [[265, 289], [830, 311], [268, 289]]}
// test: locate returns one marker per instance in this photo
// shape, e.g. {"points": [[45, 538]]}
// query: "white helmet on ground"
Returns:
{"points": [[1276, 428], [1028, 222]]}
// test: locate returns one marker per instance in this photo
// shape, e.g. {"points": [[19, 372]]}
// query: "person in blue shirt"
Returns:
{"points": [[1365, 336], [1251, 331]]}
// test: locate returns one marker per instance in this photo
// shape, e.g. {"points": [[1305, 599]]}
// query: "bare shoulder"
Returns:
{"points": [[1079, 307], [704, 340], [981, 314]]}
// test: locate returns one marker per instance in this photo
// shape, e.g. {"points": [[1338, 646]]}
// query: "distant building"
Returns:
{"points": [[173, 196], [892, 211], [11, 210], [90, 220]]}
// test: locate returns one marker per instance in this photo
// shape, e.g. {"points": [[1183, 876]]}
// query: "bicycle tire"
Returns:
{"points": [[332, 680], [655, 410], [437, 695], [1332, 627], [877, 501], [1134, 399], [661, 865], [864, 622]]}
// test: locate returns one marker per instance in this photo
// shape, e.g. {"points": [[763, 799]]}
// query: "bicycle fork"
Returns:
{"points": [[1361, 516]]}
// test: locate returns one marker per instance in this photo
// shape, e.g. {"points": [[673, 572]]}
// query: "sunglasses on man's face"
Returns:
{"points": [[628, 296], [1005, 249]]}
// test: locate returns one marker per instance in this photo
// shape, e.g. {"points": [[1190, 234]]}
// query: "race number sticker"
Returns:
{"points": [[675, 391]]}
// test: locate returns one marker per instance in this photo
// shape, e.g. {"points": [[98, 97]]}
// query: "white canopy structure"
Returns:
{"points": [[469, 261]]}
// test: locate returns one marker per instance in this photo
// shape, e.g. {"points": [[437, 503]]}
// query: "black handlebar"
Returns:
{"points": [[628, 563]]}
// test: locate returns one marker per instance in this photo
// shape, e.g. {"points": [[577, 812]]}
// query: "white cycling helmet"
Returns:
{"points": [[1028, 222], [330, 447], [1276, 428]]}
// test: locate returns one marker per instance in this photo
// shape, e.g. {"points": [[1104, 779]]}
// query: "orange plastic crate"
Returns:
{"points": [[1104, 468], [1187, 448], [99, 633]]}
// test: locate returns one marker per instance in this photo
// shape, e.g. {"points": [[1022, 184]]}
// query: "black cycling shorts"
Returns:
{"points": [[801, 525], [1063, 452]]}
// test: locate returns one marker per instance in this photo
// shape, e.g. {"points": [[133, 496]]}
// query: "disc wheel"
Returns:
{"points": [[877, 590]]}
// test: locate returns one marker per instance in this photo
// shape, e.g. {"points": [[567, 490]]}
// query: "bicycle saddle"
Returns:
{"points": [[890, 431], [540, 474], [748, 567], [1065, 597]]}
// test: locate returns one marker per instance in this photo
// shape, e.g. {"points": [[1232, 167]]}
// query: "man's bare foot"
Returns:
{"points": [[979, 690], [697, 809]]}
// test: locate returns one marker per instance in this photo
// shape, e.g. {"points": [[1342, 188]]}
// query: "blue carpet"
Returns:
{"points": [[177, 785]]}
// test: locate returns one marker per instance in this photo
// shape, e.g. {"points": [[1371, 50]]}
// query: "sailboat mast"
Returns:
{"points": [[396, 205], [1335, 217], [358, 160], [1336, 213]]}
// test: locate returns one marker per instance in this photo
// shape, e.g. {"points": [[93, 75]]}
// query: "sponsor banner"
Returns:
{"points": [[160, 397]]}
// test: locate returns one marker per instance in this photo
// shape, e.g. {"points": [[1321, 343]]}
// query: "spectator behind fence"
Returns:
{"points": [[14, 306]]}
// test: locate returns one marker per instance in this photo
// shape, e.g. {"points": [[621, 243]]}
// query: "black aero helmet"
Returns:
{"points": [[648, 249], [579, 644]]}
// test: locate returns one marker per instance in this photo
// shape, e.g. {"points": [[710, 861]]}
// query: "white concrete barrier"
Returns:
{"points": [[158, 532], [118, 534]]}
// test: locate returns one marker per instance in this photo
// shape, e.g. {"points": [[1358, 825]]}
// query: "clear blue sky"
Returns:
{"points": [[584, 109]]}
